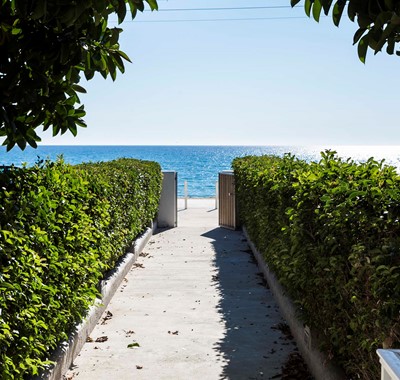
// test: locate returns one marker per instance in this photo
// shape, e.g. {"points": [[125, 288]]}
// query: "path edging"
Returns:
{"points": [[319, 364], [66, 352]]}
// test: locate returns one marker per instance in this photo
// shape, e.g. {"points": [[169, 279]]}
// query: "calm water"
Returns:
{"points": [[198, 165]]}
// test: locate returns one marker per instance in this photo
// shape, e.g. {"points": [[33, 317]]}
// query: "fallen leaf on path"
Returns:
{"points": [[107, 317], [101, 339], [173, 332], [89, 339], [133, 345], [129, 333], [139, 367]]}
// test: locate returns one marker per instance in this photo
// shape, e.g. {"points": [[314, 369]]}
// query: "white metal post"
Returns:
{"points": [[185, 190]]}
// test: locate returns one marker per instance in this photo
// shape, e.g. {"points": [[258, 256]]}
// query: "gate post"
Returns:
{"points": [[168, 207], [227, 211]]}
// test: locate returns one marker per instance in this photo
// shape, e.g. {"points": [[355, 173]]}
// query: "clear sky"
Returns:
{"points": [[279, 79]]}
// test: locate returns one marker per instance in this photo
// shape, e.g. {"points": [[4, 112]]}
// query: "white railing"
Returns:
{"points": [[390, 364], [186, 195]]}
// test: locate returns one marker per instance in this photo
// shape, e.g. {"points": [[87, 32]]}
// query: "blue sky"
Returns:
{"points": [[288, 81]]}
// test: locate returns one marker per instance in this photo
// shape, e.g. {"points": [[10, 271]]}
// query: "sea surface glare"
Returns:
{"points": [[198, 165]]}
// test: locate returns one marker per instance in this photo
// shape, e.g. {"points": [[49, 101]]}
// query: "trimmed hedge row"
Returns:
{"points": [[331, 233], [62, 228]]}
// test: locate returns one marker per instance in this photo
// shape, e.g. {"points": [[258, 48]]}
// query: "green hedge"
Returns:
{"points": [[331, 233], [62, 228]]}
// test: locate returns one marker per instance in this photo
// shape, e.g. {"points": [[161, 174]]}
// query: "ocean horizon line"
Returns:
{"points": [[199, 165], [217, 145]]}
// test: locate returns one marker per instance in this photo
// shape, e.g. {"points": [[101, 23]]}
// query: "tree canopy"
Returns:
{"points": [[378, 21], [45, 48]]}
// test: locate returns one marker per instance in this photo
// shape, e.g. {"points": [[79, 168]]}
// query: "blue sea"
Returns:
{"points": [[198, 165]]}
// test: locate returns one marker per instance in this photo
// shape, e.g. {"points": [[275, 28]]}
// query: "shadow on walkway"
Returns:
{"points": [[253, 347]]}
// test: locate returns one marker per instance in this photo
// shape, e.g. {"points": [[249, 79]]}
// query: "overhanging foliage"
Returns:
{"points": [[45, 46], [378, 21]]}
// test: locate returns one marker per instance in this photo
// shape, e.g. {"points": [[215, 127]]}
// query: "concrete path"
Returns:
{"points": [[194, 306]]}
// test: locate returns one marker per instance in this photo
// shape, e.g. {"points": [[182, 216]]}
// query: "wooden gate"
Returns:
{"points": [[227, 201]]}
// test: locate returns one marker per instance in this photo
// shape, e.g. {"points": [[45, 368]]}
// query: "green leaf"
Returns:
{"points": [[133, 345], [379, 45], [72, 126], [78, 88], [293, 3], [390, 46], [351, 11], [80, 112], [140, 6], [316, 10], [133, 11], [9, 143], [89, 74], [362, 48], [358, 35], [326, 5], [112, 67], [32, 143], [15, 31], [154, 6], [5, 285], [118, 61], [21, 143], [338, 11], [121, 11], [124, 56], [307, 7], [56, 129], [81, 123]]}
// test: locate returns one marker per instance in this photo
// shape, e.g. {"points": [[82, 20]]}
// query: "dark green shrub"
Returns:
{"points": [[61, 229], [132, 188], [331, 233]]}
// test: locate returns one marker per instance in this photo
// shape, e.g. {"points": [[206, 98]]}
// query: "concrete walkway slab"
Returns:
{"points": [[194, 306]]}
